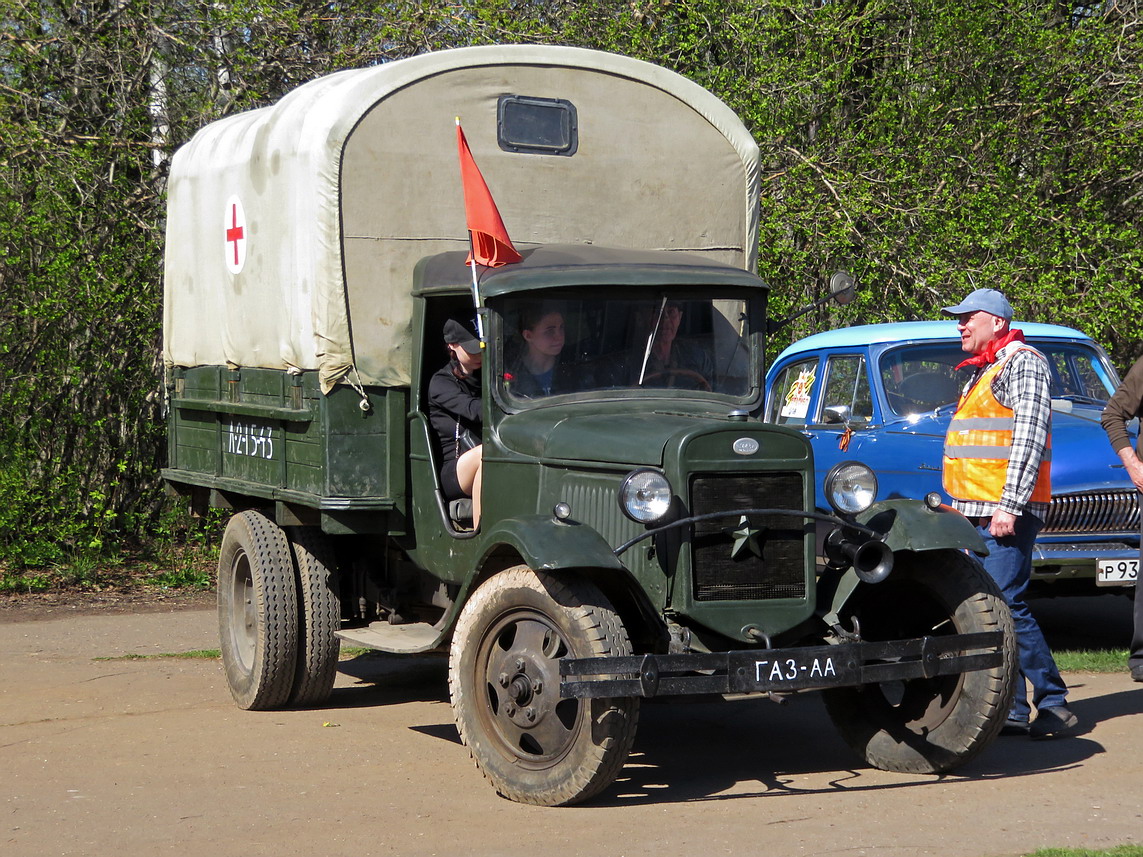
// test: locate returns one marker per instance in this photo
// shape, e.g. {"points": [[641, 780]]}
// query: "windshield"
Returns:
{"points": [[923, 377], [623, 346]]}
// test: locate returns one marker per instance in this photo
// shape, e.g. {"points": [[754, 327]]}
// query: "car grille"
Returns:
{"points": [[781, 570], [1093, 512]]}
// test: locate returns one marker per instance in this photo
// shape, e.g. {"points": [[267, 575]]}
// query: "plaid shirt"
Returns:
{"points": [[1024, 385]]}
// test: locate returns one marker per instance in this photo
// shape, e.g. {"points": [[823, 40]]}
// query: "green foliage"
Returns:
{"points": [[192, 655], [187, 577], [19, 583], [1092, 660], [929, 147]]}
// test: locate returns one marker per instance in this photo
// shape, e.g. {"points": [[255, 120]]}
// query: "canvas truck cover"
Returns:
{"points": [[293, 230]]}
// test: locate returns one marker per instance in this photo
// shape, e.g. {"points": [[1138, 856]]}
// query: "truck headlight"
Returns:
{"points": [[645, 496], [850, 487]]}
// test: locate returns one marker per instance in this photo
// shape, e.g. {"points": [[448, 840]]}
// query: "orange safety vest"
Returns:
{"points": [[979, 443]]}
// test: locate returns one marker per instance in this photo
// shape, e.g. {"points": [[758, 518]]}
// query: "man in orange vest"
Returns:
{"points": [[996, 468]]}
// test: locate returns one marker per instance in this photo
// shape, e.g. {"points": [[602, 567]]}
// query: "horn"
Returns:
{"points": [[872, 560]]}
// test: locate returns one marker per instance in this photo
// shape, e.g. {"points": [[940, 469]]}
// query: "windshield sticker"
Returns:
{"points": [[797, 403]]}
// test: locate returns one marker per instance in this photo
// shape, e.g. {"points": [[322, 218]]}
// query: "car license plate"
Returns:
{"points": [[1116, 572]]}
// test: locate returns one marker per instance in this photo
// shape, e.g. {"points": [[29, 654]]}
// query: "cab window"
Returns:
{"points": [[792, 392], [846, 397], [921, 378], [1079, 373]]}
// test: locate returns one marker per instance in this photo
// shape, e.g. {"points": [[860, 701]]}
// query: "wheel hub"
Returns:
{"points": [[520, 690], [524, 701]]}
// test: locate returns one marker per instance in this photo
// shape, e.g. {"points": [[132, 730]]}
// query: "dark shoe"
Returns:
{"points": [[1137, 673], [1053, 723], [1013, 726]]}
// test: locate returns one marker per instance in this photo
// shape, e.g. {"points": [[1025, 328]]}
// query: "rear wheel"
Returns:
{"points": [[928, 725], [257, 611], [504, 680], [319, 616]]}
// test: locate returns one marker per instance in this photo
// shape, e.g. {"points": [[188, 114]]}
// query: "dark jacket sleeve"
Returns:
{"points": [[1124, 406], [453, 396]]}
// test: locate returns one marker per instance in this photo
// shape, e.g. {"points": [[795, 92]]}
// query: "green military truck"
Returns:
{"points": [[644, 534]]}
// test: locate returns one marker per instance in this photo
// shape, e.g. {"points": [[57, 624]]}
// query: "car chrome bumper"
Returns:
{"points": [[1076, 561]]}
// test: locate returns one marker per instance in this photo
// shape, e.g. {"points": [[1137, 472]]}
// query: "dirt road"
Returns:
{"points": [[149, 757]]}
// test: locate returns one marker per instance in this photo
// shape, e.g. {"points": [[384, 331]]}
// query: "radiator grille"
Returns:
{"points": [[1093, 513], [780, 572]]}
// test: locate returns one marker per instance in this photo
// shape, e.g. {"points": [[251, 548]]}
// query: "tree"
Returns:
{"points": [[930, 147]]}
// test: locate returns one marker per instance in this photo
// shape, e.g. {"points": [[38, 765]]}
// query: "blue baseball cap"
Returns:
{"points": [[986, 300]]}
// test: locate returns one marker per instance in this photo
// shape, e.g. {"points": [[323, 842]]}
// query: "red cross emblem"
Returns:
{"points": [[235, 226]]}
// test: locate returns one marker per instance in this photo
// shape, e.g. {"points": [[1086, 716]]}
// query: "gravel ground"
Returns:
{"points": [[103, 758]]}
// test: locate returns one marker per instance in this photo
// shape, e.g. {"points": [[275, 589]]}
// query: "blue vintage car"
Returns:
{"points": [[882, 395]]}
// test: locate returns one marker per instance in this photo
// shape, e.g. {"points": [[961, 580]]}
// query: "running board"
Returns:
{"points": [[399, 639]]}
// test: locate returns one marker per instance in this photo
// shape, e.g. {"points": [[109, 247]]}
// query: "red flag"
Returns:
{"points": [[491, 245]]}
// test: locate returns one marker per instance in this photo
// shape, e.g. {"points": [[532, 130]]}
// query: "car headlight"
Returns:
{"points": [[645, 496], [850, 487]]}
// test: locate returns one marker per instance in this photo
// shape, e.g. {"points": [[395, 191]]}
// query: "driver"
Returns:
{"points": [[665, 359]]}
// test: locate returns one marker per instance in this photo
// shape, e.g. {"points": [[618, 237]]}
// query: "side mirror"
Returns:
{"points": [[842, 289], [836, 414]]}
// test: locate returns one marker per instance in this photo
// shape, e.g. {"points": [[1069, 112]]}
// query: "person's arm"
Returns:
{"points": [[1133, 465], [1027, 391], [453, 396], [1124, 406]]}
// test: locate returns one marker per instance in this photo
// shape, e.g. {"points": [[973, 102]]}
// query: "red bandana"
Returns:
{"points": [[989, 354]]}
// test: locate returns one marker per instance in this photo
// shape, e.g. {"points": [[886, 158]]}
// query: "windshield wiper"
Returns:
{"points": [[651, 340]]}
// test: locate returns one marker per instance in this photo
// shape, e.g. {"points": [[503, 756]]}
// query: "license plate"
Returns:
{"points": [[1116, 572], [792, 669]]}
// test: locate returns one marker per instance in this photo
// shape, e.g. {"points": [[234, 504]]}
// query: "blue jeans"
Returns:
{"points": [[1009, 561]]}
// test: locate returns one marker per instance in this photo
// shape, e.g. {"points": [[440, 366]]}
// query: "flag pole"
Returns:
{"points": [[488, 243], [477, 303]]}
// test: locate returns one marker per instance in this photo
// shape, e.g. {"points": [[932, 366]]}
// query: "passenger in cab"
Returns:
{"points": [[537, 369], [456, 416]]}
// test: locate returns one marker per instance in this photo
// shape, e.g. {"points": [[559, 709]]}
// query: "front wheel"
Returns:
{"points": [[936, 724], [504, 679]]}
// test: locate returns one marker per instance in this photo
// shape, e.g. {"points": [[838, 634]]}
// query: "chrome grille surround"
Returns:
{"points": [[1093, 513]]}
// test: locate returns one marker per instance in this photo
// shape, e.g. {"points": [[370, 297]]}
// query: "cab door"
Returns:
{"points": [[828, 396], [838, 426]]}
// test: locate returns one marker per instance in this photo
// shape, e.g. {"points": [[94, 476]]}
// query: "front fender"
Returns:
{"points": [[911, 525], [907, 525], [546, 544]]}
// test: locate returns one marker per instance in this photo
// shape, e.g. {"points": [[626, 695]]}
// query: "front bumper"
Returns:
{"points": [[780, 670], [1062, 561]]}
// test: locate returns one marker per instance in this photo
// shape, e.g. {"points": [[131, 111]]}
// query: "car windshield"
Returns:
{"points": [[595, 344], [923, 377]]}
